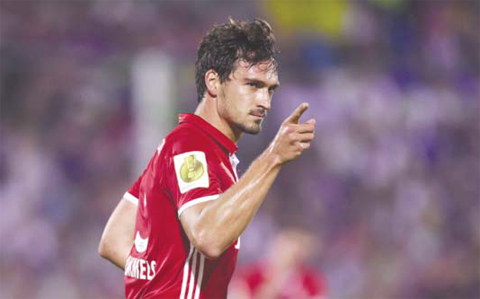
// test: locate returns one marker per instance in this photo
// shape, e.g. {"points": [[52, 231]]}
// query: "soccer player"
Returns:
{"points": [[192, 207]]}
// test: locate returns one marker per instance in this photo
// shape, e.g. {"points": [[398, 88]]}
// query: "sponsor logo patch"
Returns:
{"points": [[191, 170]]}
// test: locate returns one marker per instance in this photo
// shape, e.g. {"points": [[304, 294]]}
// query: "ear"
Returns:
{"points": [[212, 81]]}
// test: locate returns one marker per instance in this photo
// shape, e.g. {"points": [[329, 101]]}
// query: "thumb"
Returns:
{"points": [[296, 114]]}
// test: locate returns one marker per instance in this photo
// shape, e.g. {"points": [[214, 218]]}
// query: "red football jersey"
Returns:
{"points": [[194, 163]]}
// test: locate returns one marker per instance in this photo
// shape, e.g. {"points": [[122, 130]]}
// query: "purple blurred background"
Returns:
{"points": [[391, 185]]}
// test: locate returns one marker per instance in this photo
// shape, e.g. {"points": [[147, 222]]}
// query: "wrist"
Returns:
{"points": [[271, 158]]}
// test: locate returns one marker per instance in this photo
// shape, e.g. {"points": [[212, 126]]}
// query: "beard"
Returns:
{"points": [[252, 127]]}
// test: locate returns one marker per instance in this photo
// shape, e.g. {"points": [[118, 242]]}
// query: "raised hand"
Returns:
{"points": [[293, 137]]}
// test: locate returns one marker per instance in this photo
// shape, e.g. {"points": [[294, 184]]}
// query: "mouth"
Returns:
{"points": [[258, 114]]}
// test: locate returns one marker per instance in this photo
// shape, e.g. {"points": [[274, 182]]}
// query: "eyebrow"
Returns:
{"points": [[261, 83]]}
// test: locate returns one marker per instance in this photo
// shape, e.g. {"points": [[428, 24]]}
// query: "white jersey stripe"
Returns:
{"points": [[185, 273], [200, 276], [192, 275], [196, 201], [131, 198]]}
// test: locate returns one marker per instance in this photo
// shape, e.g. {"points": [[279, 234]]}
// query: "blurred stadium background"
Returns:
{"points": [[390, 187]]}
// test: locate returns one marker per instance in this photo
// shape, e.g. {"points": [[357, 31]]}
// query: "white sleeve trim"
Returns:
{"points": [[131, 198], [195, 202]]}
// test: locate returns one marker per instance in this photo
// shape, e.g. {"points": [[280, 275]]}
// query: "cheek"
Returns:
{"points": [[239, 100], [230, 102], [238, 97], [238, 94], [250, 96]]}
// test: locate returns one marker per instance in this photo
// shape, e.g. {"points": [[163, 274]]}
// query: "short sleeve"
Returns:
{"points": [[133, 192], [195, 177]]}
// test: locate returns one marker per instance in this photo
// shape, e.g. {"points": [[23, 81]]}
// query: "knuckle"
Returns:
{"points": [[290, 128], [284, 130], [292, 136], [307, 137]]}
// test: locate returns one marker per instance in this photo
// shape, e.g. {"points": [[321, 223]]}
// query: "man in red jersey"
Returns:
{"points": [[192, 208]]}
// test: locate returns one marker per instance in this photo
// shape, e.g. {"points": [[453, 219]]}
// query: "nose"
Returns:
{"points": [[265, 100]]}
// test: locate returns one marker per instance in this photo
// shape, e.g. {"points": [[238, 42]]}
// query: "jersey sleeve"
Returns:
{"points": [[133, 192], [194, 169]]}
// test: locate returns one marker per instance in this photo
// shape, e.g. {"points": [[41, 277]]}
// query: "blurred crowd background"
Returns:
{"points": [[390, 189]]}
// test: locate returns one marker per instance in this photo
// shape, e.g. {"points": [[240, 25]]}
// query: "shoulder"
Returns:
{"points": [[187, 138]]}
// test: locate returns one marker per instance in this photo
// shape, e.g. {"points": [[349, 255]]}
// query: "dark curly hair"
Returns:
{"points": [[224, 44]]}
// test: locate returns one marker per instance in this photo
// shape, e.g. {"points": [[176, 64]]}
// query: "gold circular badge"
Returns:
{"points": [[191, 169]]}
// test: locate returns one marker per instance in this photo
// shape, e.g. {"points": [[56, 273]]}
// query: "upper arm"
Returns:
{"points": [[189, 219], [196, 230], [192, 196], [193, 179], [121, 224], [195, 186], [120, 228], [192, 172]]}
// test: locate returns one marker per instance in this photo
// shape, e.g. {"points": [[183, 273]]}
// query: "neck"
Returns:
{"points": [[207, 110]]}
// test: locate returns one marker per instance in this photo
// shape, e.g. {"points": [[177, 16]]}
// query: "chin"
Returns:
{"points": [[254, 129]]}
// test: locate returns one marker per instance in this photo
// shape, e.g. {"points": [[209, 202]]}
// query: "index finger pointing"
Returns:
{"points": [[296, 114]]}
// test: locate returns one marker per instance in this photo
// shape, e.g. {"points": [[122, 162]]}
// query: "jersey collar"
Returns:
{"points": [[219, 137]]}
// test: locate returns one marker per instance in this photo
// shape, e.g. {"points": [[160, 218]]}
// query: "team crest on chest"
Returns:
{"points": [[191, 170]]}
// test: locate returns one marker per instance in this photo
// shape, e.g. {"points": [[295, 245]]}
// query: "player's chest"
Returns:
{"points": [[225, 170]]}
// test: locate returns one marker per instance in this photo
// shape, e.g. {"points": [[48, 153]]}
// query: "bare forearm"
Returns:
{"points": [[224, 220]]}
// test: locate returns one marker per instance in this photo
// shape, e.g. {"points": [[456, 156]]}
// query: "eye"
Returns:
{"points": [[252, 84]]}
